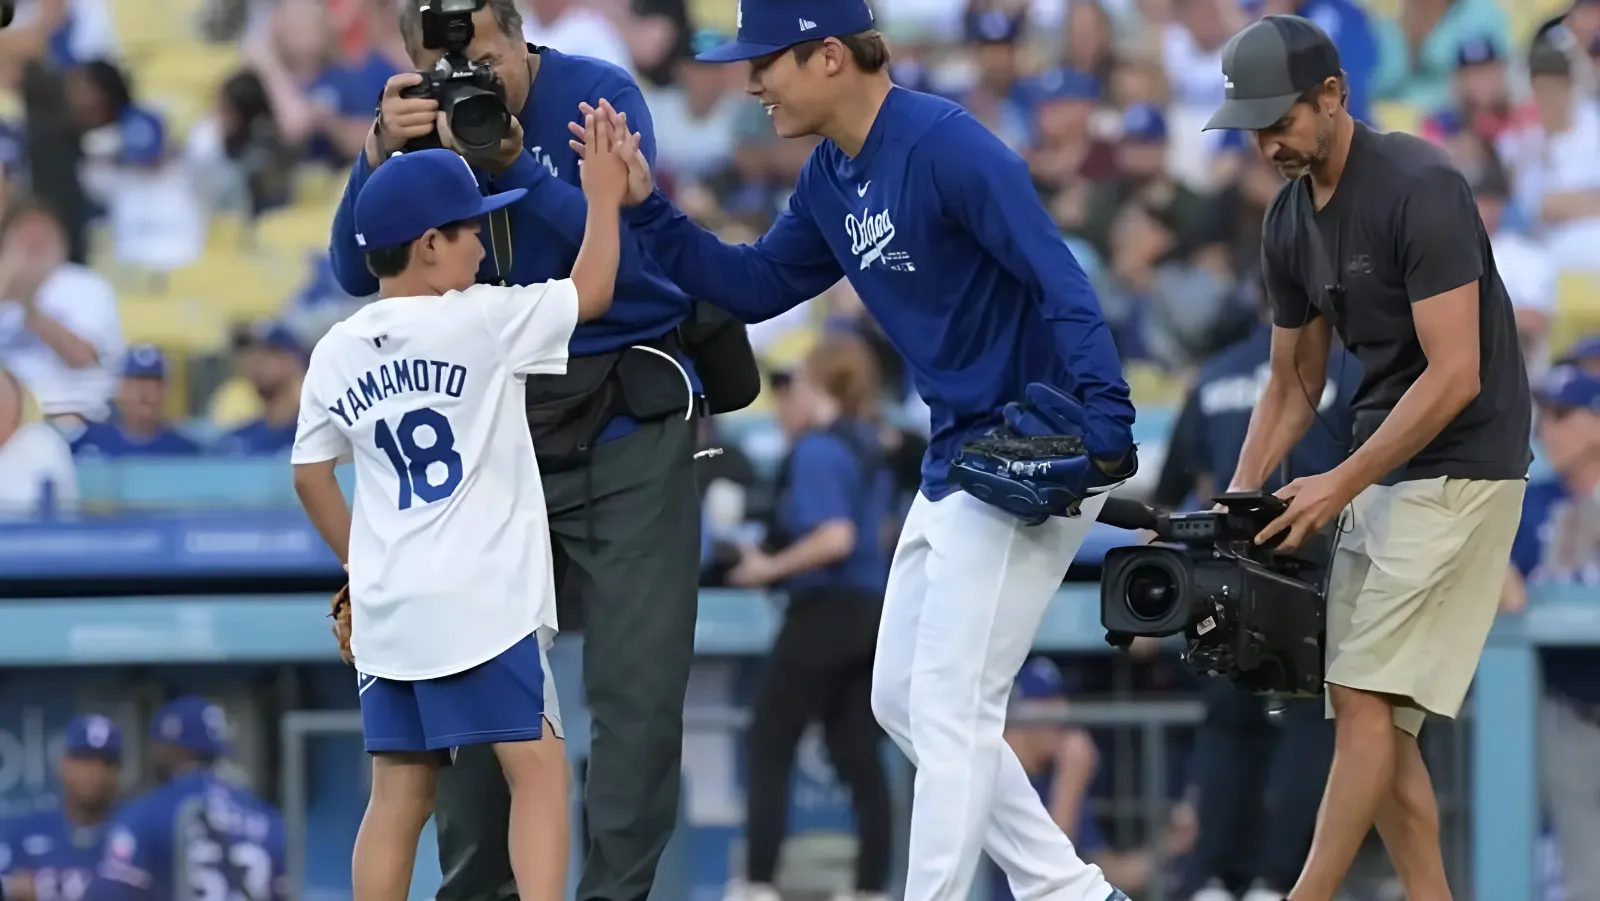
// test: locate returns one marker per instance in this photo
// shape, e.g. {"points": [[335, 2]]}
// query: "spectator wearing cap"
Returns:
{"points": [[1417, 51], [1525, 266], [1556, 168], [275, 364], [1585, 355], [1558, 543], [59, 328], [1143, 182], [140, 427], [1481, 106], [196, 828], [696, 116], [1063, 154], [1575, 31], [52, 855], [997, 98]]}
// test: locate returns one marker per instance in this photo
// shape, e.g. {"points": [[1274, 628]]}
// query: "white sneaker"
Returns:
{"points": [[750, 891], [1214, 891]]}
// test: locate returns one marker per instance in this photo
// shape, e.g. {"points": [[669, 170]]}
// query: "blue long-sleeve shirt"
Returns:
{"points": [[938, 227], [1346, 22], [547, 225]]}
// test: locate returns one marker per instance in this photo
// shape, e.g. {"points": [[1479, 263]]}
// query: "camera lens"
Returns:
{"points": [[478, 120], [1151, 592]]}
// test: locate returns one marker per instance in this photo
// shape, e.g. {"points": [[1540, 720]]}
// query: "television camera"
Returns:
{"points": [[471, 96], [1251, 613]]}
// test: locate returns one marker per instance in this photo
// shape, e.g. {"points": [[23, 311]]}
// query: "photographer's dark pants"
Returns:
{"points": [[628, 530], [1260, 782], [820, 670]]}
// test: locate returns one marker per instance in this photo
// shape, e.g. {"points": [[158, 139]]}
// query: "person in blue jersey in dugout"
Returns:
{"points": [[51, 855]]}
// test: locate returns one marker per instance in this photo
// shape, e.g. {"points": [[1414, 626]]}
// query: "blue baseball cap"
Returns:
{"points": [[1477, 51], [1144, 123], [273, 334], [1587, 350], [413, 192], [144, 361], [1567, 385], [767, 27], [1039, 679], [95, 736], [994, 26], [1063, 83], [193, 724]]}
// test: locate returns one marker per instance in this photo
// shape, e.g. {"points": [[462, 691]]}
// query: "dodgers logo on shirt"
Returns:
{"points": [[544, 158], [870, 234]]}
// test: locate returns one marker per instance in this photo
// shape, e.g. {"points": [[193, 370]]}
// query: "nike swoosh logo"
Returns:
{"points": [[862, 191]]}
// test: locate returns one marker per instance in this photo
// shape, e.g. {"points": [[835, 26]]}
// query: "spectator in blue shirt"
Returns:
{"points": [[51, 855], [275, 364], [140, 427], [1558, 543], [827, 548]]}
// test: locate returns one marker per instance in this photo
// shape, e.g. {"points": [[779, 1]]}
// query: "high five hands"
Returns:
{"points": [[640, 181]]}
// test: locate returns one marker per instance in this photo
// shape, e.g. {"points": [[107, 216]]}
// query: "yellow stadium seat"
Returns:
{"points": [[177, 326], [1577, 313], [236, 286], [233, 404], [1397, 116], [1152, 386], [789, 350]]}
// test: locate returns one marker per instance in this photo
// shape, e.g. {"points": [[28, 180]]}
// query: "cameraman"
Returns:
{"points": [[615, 448], [827, 547], [1259, 777], [1378, 236]]}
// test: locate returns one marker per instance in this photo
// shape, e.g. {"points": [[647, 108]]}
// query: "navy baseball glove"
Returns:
{"points": [[1037, 466]]}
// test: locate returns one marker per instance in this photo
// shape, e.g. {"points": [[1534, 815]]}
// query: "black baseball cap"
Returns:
{"points": [[1267, 66]]}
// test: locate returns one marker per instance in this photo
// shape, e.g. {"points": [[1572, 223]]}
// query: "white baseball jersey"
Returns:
{"points": [[450, 542]]}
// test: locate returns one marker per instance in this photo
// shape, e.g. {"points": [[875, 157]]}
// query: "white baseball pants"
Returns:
{"points": [[967, 590]]}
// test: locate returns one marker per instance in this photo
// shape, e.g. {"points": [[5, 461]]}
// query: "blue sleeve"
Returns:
{"points": [[1527, 547], [1358, 51], [788, 266], [823, 478], [986, 187], [349, 263]]}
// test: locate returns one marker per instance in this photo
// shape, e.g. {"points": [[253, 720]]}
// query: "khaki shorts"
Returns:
{"points": [[1414, 589]]}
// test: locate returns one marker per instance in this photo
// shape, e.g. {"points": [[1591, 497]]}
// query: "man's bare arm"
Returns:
{"points": [[1297, 372], [1447, 329], [323, 500]]}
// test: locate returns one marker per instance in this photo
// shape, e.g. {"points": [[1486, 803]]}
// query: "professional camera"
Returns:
{"points": [[1251, 613], [472, 98]]}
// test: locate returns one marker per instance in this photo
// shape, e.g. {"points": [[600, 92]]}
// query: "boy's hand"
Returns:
{"points": [[604, 166], [640, 181], [341, 622]]}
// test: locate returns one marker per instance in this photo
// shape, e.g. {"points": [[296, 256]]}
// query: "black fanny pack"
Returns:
{"points": [[567, 413]]}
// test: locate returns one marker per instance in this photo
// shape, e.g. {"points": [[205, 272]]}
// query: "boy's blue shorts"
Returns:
{"points": [[508, 698]]}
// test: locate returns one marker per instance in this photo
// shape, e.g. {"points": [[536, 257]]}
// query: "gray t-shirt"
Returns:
{"points": [[1401, 227]]}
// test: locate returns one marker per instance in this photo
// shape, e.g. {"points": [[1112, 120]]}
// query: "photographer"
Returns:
{"points": [[826, 547], [614, 437], [1377, 236], [1259, 777]]}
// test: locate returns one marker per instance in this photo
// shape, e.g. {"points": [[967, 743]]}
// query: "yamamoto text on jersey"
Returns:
{"points": [[395, 377]]}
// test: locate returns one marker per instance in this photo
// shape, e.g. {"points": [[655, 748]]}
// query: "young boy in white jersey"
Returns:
{"points": [[451, 582]]}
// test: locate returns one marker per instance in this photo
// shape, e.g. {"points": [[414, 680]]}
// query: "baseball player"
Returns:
{"points": [[937, 226], [451, 583], [51, 855]]}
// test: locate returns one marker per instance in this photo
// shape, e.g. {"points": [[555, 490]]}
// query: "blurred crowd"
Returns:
{"points": [[136, 153]]}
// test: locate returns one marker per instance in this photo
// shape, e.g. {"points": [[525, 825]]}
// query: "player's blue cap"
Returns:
{"points": [[193, 724], [1587, 350], [1567, 385], [1039, 679], [994, 26], [93, 735], [1063, 83], [1144, 123], [413, 192], [274, 334], [1477, 51], [144, 361], [767, 26]]}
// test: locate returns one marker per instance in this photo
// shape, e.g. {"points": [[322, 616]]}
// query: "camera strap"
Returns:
{"points": [[1324, 288], [500, 243]]}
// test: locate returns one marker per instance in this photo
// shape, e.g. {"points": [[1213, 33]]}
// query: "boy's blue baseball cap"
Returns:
{"points": [[413, 192], [144, 361], [767, 27], [193, 724], [95, 736]]}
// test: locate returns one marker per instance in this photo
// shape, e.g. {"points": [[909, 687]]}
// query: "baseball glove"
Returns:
{"points": [[1032, 478], [340, 613]]}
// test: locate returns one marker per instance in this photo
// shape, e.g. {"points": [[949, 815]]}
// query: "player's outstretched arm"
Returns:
{"points": [[788, 266], [983, 184]]}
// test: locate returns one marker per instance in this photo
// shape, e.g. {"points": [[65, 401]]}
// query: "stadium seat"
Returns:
{"points": [[1396, 116], [237, 286], [293, 232], [1577, 309], [176, 325]]}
